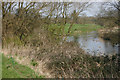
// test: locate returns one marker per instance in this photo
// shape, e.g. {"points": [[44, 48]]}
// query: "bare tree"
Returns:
{"points": [[79, 7], [116, 5]]}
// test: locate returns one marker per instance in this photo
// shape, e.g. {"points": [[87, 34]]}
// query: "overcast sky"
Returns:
{"points": [[94, 9]]}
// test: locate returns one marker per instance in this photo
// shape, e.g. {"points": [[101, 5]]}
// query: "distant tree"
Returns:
{"points": [[116, 10], [116, 5], [108, 15]]}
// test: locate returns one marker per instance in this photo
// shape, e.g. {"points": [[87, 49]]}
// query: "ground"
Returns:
{"points": [[60, 60], [76, 28], [11, 69]]}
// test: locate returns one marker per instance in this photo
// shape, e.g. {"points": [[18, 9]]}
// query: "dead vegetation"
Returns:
{"points": [[26, 36]]}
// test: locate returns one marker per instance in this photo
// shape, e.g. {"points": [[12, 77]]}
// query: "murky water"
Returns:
{"points": [[94, 45]]}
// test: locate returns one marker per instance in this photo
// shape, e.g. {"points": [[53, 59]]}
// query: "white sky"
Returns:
{"points": [[93, 9], [58, 0]]}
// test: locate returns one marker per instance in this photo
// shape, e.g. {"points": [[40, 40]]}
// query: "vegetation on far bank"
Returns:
{"points": [[111, 34], [76, 29]]}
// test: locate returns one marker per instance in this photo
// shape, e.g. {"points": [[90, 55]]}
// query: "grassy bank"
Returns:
{"points": [[76, 28], [11, 69]]}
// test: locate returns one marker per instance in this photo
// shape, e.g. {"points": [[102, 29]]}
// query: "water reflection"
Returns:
{"points": [[94, 45]]}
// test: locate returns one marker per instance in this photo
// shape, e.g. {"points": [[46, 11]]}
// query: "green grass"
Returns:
{"points": [[84, 28], [76, 28], [12, 69]]}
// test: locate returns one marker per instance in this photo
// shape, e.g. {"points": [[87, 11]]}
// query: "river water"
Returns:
{"points": [[94, 45]]}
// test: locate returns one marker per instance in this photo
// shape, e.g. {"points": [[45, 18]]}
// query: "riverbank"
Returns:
{"points": [[11, 69], [111, 34], [66, 60], [76, 29], [57, 60], [94, 45]]}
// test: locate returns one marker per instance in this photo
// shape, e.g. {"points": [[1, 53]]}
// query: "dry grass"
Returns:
{"points": [[67, 60], [56, 59]]}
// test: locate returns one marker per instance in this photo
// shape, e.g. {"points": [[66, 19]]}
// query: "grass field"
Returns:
{"points": [[11, 69], [76, 28]]}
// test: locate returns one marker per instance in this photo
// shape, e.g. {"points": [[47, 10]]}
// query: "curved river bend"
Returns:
{"points": [[94, 45]]}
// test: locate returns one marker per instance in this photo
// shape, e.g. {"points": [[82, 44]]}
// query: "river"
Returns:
{"points": [[94, 45]]}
